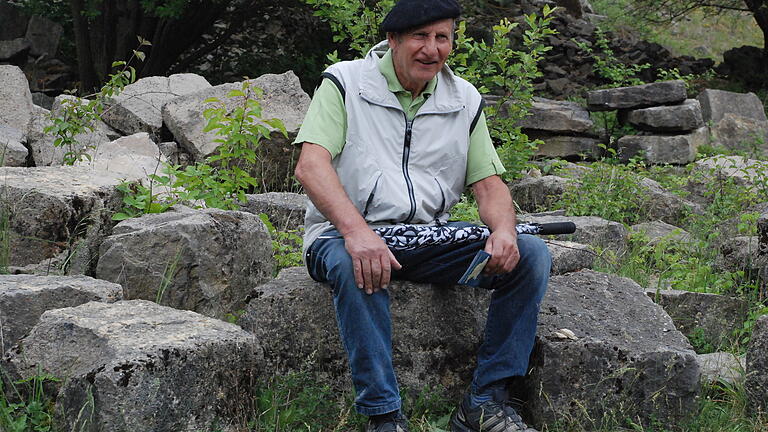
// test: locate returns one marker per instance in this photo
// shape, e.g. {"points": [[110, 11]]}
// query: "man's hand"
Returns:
{"points": [[502, 246], [371, 259]]}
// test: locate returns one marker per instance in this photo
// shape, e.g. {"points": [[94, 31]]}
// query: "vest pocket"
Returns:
{"points": [[442, 200], [372, 194]]}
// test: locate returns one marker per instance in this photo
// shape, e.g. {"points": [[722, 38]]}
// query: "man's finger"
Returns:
{"points": [[375, 274], [367, 282], [386, 272], [393, 262], [358, 266]]}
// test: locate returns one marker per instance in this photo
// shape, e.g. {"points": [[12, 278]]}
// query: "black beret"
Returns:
{"points": [[409, 14]]}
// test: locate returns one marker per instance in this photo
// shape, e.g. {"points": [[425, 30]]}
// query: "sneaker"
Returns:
{"points": [[491, 416], [394, 423]]}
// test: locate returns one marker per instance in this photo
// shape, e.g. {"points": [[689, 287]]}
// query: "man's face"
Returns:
{"points": [[419, 55]]}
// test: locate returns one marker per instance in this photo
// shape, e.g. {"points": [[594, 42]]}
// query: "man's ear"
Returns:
{"points": [[391, 37]]}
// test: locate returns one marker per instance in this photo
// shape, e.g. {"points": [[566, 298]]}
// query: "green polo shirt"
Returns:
{"points": [[326, 123]]}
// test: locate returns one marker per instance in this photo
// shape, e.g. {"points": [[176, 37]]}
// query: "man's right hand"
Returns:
{"points": [[371, 259]]}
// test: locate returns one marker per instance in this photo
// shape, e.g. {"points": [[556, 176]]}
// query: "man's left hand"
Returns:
{"points": [[502, 246]]}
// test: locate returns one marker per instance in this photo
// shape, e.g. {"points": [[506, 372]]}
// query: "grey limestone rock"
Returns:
{"points": [[715, 104], [722, 367], [741, 133], [756, 383], [44, 153], [13, 22], [658, 231], [569, 256], [745, 172], [49, 207], [43, 35], [664, 205], [12, 151], [663, 149], [568, 147], [135, 156], [137, 366], [641, 96], [23, 298], [717, 316], [89, 140], [538, 193], [283, 98], [15, 99], [201, 260], [739, 254], [557, 117], [436, 330], [138, 108], [285, 209], [10, 49], [604, 348], [671, 118], [591, 230]]}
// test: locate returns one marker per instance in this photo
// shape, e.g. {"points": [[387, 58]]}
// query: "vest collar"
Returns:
{"points": [[373, 86]]}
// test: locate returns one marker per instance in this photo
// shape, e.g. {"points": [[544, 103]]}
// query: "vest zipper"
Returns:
{"points": [[406, 155]]}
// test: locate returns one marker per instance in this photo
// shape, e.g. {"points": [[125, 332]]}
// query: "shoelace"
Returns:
{"points": [[513, 416]]}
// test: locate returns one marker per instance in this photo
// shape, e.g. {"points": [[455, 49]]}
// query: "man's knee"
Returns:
{"points": [[534, 255]]}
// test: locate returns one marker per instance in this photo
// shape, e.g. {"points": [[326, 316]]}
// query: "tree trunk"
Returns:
{"points": [[759, 9], [88, 78]]}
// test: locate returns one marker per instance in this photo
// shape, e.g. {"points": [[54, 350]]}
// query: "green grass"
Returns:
{"points": [[697, 35]]}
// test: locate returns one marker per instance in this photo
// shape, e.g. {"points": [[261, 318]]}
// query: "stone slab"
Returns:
{"points": [[23, 298], [641, 96], [137, 366]]}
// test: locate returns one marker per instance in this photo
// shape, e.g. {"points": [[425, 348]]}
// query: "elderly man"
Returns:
{"points": [[394, 139]]}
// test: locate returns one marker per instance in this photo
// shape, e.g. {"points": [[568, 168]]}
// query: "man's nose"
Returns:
{"points": [[430, 46]]}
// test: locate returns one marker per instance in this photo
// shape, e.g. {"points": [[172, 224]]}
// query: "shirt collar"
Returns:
{"points": [[387, 68]]}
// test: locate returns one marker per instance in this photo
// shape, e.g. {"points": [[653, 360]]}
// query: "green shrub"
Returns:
{"points": [[509, 73]]}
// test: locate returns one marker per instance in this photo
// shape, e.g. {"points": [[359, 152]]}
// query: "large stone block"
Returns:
{"points": [[135, 156], [722, 367], [568, 147], [658, 231], [641, 96], [283, 98], [285, 209], [137, 366], [741, 133], [715, 104], [435, 330], [557, 117], [664, 205], [138, 108], [534, 194], [622, 356], [569, 256], [756, 383], [201, 260], [23, 298], [43, 35], [12, 151], [50, 207], [94, 135], [14, 50], [15, 99], [591, 230], [663, 149], [716, 316], [13, 21], [44, 153], [672, 118], [746, 172]]}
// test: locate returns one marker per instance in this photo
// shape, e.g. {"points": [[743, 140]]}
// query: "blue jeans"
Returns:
{"points": [[365, 324]]}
